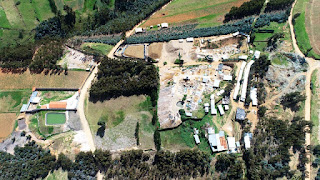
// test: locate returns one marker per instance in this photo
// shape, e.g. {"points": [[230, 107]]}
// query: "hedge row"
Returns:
{"points": [[187, 31], [265, 19]]}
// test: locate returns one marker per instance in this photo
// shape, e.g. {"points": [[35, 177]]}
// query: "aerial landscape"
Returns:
{"points": [[159, 89]]}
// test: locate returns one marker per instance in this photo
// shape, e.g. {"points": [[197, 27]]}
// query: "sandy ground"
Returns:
{"points": [[155, 50], [136, 51], [7, 121]]}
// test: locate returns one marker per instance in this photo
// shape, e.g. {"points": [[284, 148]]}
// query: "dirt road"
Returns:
{"points": [[312, 66]]}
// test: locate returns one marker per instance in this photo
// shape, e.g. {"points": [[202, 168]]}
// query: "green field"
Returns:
{"points": [[314, 109], [11, 101], [4, 23], [55, 118], [300, 29], [50, 96], [99, 48]]}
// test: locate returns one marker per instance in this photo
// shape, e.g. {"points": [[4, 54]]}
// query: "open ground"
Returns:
{"points": [[206, 13], [313, 24], [7, 121], [27, 80]]}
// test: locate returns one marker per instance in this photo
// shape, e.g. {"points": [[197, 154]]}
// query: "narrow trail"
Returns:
{"points": [[313, 64]]}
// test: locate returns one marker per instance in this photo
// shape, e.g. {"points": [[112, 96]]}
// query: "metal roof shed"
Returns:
{"points": [[216, 83], [221, 110], [227, 77], [240, 114], [190, 39], [164, 25], [24, 108], [197, 139]]}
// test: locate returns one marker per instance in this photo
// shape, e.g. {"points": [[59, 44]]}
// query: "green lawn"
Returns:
{"points": [[55, 118], [300, 29], [4, 23], [100, 48]]}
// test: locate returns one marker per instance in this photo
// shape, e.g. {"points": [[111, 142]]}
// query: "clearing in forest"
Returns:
{"points": [[206, 12]]}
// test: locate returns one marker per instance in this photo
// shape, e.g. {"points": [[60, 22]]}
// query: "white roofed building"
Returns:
{"points": [[257, 54], [231, 144], [190, 39], [221, 110], [227, 77], [138, 30], [216, 83], [196, 138], [164, 25]]}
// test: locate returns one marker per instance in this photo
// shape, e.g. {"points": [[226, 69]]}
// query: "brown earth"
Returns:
{"points": [[154, 50], [169, 14], [6, 124], [28, 80], [136, 51]]}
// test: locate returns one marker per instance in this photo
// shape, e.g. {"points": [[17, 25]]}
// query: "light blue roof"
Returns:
{"points": [[24, 108], [34, 94]]}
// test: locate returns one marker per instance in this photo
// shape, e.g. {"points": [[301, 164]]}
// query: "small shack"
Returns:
{"points": [[216, 83], [190, 39], [231, 144], [196, 138], [164, 25], [138, 30], [257, 54], [221, 110]]}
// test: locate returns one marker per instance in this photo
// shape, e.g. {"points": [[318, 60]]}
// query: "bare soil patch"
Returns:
{"points": [[136, 51], [6, 124], [155, 50], [27, 80]]}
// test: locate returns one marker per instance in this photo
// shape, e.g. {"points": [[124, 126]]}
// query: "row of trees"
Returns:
{"points": [[124, 77], [33, 162], [274, 5], [249, 8]]}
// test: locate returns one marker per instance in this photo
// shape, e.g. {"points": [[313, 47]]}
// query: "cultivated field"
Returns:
{"points": [[136, 51], [154, 50], [7, 121], [313, 24], [205, 12], [121, 116], [26, 80]]}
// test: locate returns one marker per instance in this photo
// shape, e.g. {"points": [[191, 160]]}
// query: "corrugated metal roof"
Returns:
{"points": [[24, 108]]}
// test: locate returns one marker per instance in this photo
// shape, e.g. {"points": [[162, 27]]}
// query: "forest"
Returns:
{"points": [[124, 77], [32, 162]]}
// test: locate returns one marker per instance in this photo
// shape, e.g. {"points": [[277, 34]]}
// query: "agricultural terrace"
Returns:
{"points": [[55, 118], [120, 116], [205, 13], [27, 80], [305, 24]]}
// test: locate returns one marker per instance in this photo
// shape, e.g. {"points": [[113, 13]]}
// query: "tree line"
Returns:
{"points": [[32, 162], [124, 77]]}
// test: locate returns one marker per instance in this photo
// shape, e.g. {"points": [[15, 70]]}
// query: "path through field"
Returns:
{"points": [[313, 64]]}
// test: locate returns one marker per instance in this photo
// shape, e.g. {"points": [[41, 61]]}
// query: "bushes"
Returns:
{"points": [[157, 139], [182, 32]]}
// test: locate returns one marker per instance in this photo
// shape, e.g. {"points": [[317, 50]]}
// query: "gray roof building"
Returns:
{"points": [[240, 114]]}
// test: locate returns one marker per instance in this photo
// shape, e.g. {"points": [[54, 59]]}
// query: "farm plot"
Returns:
{"points": [[42, 9], [154, 50], [7, 121], [55, 118], [136, 51], [27, 80], [121, 116], [28, 14], [206, 12], [13, 14], [11, 101], [313, 24]]}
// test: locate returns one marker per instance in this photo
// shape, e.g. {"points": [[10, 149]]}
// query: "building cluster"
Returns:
{"points": [[142, 30]]}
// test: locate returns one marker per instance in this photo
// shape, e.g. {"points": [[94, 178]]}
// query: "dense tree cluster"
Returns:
{"points": [[266, 18], [230, 166], [47, 55], [246, 9], [19, 56], [273, 138], [292, 100], [124, 77], [182, 32], [28, 162], [261, 66], [33, 162], [278, 5]]}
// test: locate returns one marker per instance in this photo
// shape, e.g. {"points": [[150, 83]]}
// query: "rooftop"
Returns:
{"points": [[240, 114]]}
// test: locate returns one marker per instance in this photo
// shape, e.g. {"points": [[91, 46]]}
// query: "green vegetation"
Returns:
{"points": [[11, 101], [57, 175], [55, 118], [50, 96], [280, 59], [4, 23], [99, 48], [314, 108], [299, 23]]}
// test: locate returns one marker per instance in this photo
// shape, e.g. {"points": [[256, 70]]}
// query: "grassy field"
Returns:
{"points": [[7, 121], [121, 116], [205, 12], [55, 118], [11, 101], [49, 96], [315, 108], [300, 29], [4, 23], [280, 60], [100, 48], [313, 24], [278, 28], [26, 80]]}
